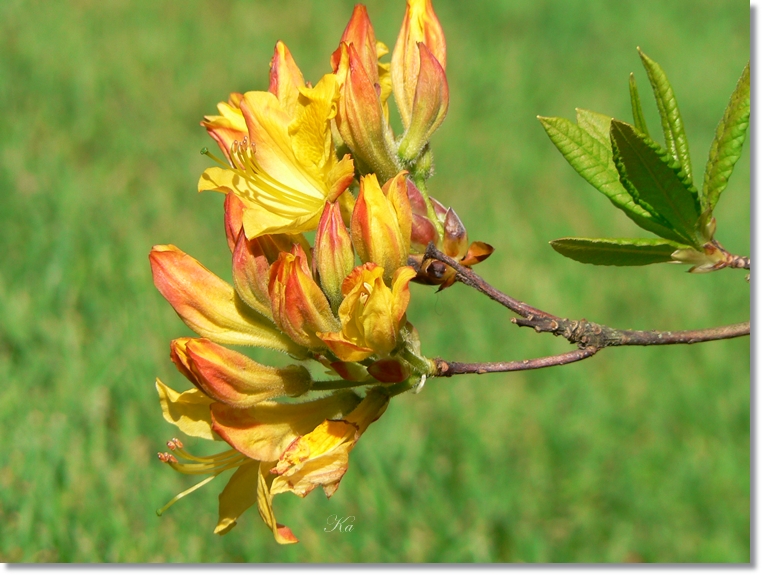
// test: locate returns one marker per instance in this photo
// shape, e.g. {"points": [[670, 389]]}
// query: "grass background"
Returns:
{"points": [[635, 455]]}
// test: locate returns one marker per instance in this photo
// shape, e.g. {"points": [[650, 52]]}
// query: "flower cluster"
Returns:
{"points": [[301, 158]]}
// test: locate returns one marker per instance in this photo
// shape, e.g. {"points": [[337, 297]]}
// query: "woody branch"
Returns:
{"points": [[590, 337]]}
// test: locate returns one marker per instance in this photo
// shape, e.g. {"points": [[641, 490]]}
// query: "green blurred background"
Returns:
{"points": [[634, 455]]}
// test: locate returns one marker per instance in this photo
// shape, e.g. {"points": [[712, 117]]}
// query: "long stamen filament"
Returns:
{"points": [[210, 459], [202, 468], [179, 496], [245, 165]]}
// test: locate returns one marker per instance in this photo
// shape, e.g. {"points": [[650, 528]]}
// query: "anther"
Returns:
{"points": [[177, 442], [167, 457]]}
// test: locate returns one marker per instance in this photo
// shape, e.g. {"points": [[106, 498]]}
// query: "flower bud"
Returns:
{"points": [[381, 223], [419, 25], [360, 118], [299, 306], [334, 257], [432, 97], [233, 219], [359, 33], [371, 313], [233, 378], [389, 370], [251, 266]]}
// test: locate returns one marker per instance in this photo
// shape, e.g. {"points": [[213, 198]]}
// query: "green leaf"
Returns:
{"points": [[638, 119], [672, 124], [655, 182], [594, 162], [728, 143], [616, 252], [595, 124]]}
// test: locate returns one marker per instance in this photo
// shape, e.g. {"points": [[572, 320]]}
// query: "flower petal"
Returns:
{"points": [[189, 411], [285, 78], [264, 431], [283, 534], [239, 494]]}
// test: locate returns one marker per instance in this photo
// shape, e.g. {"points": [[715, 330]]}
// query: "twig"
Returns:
{"points": [[450, 368], [585, 334], [467, 276], [739, 262]]}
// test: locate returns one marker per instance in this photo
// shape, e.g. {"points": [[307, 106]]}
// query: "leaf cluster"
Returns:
{"points": [[652, 184]]}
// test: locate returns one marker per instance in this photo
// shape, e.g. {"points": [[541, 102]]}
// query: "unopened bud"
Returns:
{"points": [[432, 98], [419, 25], [381, 223], [334, 257]]}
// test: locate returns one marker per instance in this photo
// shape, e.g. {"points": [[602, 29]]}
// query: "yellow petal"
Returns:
{"points": [[269, 130], [189, 411], [310, 130], [283, 534], [239, 494]]}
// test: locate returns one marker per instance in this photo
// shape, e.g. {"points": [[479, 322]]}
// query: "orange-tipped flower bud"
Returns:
{"points": [[381, 223], [233, 378], [432, 97], [359, 33], [419, 25], [233, 219], [371, 313], [360, 118], [251, 266], [334, 257], [299, 306]]}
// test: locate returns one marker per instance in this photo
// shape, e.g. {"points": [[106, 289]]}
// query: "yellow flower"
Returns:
{"points": [[259, 436], [286, 168], [322, 456], [371, 313]]}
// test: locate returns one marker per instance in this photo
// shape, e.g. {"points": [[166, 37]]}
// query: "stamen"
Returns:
{"points": [[218, 457], [245, 165], [179, 496], [167, 458], [177, 442]]}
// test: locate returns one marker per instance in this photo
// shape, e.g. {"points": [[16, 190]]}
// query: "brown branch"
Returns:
{"points": [[450, 368], [584, 333], [739, 262], [467, 276]]}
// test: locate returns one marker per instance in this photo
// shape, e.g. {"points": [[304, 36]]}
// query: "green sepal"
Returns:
{"points": [[638, 119], [593, 161], [655, 181], [728, 143], [672, 124], [617, 252]]}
